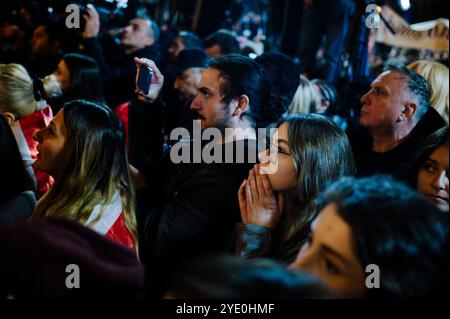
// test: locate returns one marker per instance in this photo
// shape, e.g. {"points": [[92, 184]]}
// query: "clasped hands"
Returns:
{"points": [[257, 201]]}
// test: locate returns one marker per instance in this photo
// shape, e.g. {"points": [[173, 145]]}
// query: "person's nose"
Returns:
{"points": [[127, 30], [304, 261], [196, 103], [365, 99], [440, 182], [264, 157]]}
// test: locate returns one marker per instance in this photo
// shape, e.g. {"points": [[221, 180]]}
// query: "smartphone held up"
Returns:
{"points": [[144, 79]]}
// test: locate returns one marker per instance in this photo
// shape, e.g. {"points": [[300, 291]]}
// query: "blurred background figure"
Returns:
{"points": [[304, 101], [221, 42], [15, 35], [437, 76], [184, 40], [16, 200], [46, 45], [76, 77], [326, 96], [187, 69]]}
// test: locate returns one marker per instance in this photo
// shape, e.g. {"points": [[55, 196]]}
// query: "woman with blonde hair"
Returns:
{"points": [[437, 76], [304, 101], [83, 149], [26, 112]]}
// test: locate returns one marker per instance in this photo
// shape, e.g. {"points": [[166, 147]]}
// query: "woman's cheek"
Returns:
{"points": [[422, 181], [285, 177]]}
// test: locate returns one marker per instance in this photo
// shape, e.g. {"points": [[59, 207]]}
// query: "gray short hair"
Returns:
{"points": [[153, 31], [417, 86]]}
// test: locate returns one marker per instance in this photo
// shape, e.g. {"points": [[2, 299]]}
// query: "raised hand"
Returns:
{"points": [[92, 18], [156, 83]]}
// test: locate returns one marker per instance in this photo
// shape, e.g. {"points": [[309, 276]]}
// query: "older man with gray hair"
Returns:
{"points": [[396, 117]]}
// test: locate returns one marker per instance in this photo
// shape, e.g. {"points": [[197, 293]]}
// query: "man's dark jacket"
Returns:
{"points": [[399, 161], [187, 210]]}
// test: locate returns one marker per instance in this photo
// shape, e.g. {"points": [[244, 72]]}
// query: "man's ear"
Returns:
{"points": [[409, 110], [10, 118], [241, 105]]}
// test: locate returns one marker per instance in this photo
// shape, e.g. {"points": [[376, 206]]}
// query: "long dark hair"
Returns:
{"points": [[321, 154], [428, 146], [13, 180], [85, 82]]}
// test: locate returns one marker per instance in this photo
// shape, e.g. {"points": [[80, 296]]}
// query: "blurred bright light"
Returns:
{"points": [[405, 5], [122, 3]]}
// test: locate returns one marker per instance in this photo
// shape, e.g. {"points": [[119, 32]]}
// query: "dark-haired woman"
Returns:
{"points": [[311, 151], [76, 77], [83, 149], [432, 169], [375, 237]]}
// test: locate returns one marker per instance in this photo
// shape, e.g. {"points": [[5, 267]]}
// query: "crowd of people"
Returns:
{"points": [[93, 176]]}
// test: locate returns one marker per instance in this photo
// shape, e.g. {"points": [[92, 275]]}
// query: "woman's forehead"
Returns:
{"points": [[283, 131]]}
